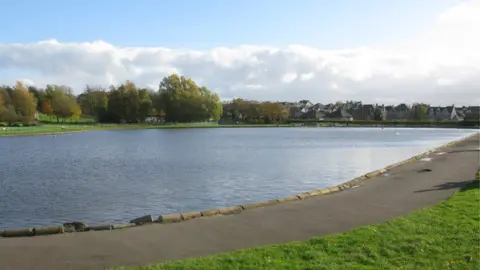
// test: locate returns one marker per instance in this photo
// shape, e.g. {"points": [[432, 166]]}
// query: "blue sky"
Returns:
{"points": [[399, 50], [209, 23]]}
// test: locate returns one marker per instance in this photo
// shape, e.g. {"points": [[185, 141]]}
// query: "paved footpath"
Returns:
{"points": [[379, 199]]}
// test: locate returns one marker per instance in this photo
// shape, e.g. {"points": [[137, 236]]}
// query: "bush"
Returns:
{"points": [[30, 123]]}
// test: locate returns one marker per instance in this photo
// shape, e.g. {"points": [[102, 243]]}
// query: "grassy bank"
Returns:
{"points": [[445, 236], [69, 127], [58, 129]]}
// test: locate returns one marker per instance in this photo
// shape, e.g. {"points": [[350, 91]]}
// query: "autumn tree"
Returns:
{"points": [[47, 108], [8, 114], [24, 102], [7, 111], [255, 111], [63, 102]]}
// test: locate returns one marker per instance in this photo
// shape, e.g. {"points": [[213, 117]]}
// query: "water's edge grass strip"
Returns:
{"points": [[444, 236], [54, 129]]}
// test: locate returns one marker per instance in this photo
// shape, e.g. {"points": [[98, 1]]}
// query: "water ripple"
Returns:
{"points": [[112, 176]]}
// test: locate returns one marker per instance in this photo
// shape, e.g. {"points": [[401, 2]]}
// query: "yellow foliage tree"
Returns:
{"points": [[24, 102]]}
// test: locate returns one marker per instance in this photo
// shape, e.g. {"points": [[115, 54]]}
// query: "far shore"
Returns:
{"points": [[67, 128], [53, 129]]}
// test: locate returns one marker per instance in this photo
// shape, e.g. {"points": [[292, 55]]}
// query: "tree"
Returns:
{"points": [[420, 111], [24, 102], [183, 100], [94, 102], [64, 103], [145, 106], [76, 111], [378, 113], [39, 95], [47, 108], [8, 114], [2, 103]]}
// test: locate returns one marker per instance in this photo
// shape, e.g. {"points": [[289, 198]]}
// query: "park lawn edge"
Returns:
{"points": [[66, 128], [443, 236], [51, 129]]}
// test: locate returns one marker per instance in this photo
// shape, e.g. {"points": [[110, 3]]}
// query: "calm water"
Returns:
{"points": [[113, 176]]}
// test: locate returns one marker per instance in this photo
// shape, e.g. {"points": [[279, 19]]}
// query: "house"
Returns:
{"points": [[461, 111], [299, 109], [382, 111], [368, 112], [330, 107], [338, 114], [443, 114], [305, 103], [316, 112]]}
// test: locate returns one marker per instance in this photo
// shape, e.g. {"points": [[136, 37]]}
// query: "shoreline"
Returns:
{"points": [[135, 127], [213, 126], [44, 133], [236, 209]]}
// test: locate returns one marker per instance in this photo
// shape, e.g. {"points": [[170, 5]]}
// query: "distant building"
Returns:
{"points": [[339, 114], [448, 113]]}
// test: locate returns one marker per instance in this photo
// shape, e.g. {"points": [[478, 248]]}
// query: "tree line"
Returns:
{"points": [[254, 112], [178, 99], [21, 104]]}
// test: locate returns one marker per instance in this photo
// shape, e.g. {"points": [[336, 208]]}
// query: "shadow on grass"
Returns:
{"points": [[463, 185], [474, 184]]}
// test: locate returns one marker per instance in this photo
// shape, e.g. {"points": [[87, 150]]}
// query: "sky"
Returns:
{"points": [[376, 51]]}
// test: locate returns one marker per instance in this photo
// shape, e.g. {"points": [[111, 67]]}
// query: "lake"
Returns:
{"points": [[113, 176]]}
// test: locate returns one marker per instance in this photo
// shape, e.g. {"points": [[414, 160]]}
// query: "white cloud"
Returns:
{"points": [[289, 77], [440, 67], [307, 76]]}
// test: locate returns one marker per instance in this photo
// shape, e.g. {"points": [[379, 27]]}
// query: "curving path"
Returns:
{"points": [[379, 199]]}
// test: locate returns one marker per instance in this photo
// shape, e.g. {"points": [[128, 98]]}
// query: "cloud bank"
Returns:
{"points": [[440, 67]]}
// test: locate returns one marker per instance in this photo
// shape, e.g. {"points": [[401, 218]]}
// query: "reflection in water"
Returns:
{"points": [[111, 176]]}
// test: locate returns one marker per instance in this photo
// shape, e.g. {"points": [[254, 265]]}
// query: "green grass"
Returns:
{"points": [[38, 130], [82, 119], [65, 128], [445, 236]]}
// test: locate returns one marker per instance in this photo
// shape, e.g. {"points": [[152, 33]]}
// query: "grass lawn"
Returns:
{"points": [[37, 130], [66, 128], [445, 236], [83, 119]]}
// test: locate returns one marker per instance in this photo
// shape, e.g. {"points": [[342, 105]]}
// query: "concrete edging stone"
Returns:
{"points": [[48, 230], [179, 217]]}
